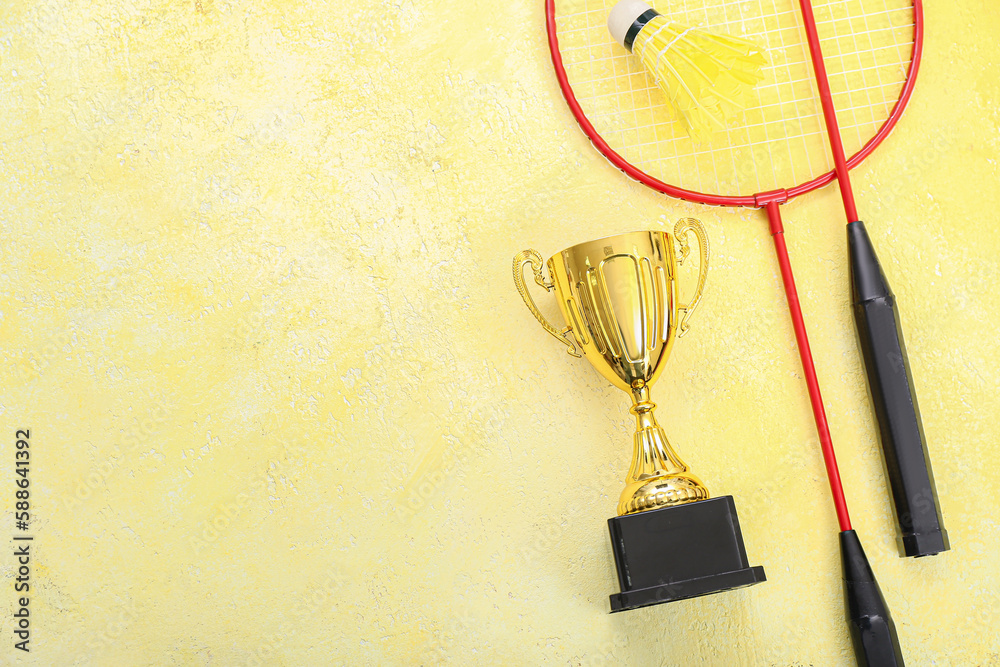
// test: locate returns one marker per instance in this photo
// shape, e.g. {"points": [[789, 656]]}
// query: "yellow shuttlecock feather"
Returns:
{"points": [[708, 78]]}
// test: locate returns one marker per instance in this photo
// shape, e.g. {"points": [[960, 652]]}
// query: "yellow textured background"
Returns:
{"points": [[287, 407]]}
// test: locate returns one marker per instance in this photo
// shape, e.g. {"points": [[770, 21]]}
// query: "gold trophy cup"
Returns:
{"points": [[618, 296]]}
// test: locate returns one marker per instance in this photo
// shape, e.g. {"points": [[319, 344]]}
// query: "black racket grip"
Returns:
{"points": [[872, 631], [908, 467]]}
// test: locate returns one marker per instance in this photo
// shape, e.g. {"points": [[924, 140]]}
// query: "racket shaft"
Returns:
{"points": [[891, 384], [808, 368], [829, 112]]}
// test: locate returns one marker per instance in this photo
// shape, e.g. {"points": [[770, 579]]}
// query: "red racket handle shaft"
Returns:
{"points": [[808, 368], [829, 113]]}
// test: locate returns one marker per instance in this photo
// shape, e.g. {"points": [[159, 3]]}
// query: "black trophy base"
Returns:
{"points": [[675, 553]]}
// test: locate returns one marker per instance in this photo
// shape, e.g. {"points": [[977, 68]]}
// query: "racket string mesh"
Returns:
{"points": [[779, 140]]}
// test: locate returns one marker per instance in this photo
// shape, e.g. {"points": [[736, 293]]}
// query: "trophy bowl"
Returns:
{"points": [[618, 297]]}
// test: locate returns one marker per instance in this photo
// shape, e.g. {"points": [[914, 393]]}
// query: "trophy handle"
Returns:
{"points": [[685, 225], [532, 257]]}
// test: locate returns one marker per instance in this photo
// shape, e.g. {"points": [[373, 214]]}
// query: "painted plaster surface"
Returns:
{"points": [[287, 408]]}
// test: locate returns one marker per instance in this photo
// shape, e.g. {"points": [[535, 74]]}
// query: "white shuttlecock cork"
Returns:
{"points": [[622, 18], [707, 77]]}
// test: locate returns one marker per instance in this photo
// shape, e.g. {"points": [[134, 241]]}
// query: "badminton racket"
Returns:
{"points": [[774, 152]]}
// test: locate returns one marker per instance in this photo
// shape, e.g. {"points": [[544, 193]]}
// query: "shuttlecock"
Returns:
{"points": [[707, 77]]}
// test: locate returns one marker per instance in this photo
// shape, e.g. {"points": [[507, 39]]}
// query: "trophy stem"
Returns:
{"points": [[657, 477]]}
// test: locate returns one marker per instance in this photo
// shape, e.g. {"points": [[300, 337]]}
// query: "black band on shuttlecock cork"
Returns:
{"points": [[637, 25]]}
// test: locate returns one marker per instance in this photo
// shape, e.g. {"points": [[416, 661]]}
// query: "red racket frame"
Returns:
{"points": [[771, 201]]}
